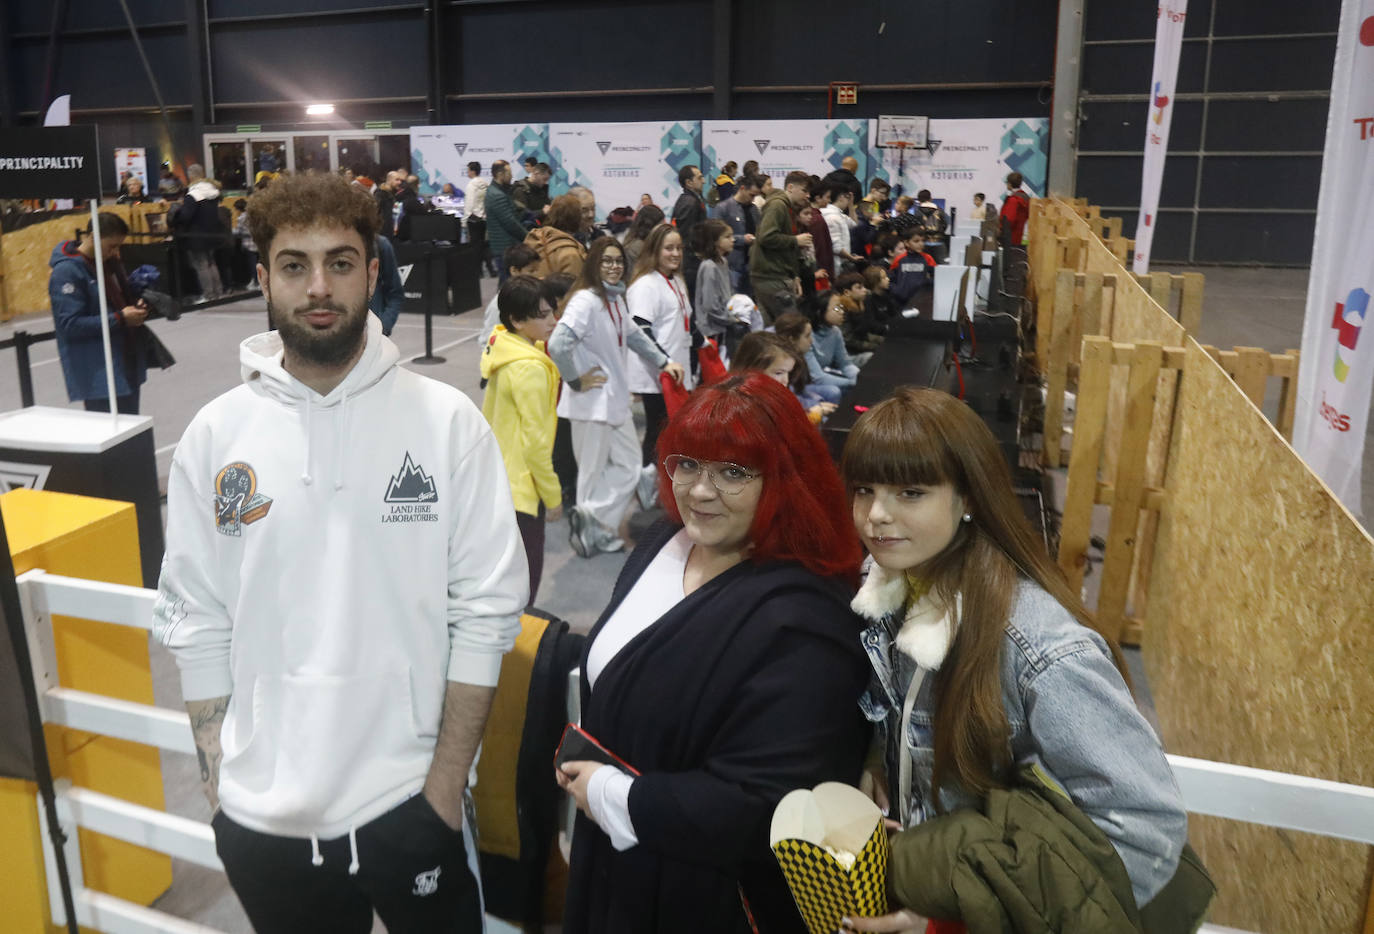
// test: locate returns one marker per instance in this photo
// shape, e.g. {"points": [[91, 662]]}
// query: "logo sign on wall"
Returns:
{"points": [[972, 156], [50, 162], [1337, 373], [816, 147], [620, 162], [441, 154]]}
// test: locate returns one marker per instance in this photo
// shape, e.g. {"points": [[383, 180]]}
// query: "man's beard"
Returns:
{"points": [[321, 348]]}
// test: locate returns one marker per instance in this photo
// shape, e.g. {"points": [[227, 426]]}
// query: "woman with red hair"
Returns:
{"points": [[725, 671]]}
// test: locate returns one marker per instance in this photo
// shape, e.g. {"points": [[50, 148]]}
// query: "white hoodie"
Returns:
{"points": [[332, 561]]}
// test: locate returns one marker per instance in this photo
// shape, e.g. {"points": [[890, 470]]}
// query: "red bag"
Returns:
{"points": [[712, 371]]}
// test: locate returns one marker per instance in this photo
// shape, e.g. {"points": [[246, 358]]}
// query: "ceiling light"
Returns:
{"points": [[319, 110]]}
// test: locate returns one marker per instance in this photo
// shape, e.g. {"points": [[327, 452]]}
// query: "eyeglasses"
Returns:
{"points": [[730, 479], [610, 261]]}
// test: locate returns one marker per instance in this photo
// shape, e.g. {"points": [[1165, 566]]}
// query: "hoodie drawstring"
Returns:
{"points": [[306, 478], [318, 860], [305, 471], [343, 443]]}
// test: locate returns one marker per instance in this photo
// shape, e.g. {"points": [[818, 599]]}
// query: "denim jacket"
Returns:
{"points": [[1067, 707]]}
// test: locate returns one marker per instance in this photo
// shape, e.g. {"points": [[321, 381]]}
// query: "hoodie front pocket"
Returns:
{"points": [[324, 746]]}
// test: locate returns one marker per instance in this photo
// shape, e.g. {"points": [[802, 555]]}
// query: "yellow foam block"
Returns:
{"points": [[94, 539]]}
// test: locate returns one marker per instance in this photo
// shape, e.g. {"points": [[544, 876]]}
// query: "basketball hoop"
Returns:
{"points": [[901, 134]]}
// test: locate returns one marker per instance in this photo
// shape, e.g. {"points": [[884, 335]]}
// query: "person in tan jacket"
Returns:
{"points": [[555, 241]]}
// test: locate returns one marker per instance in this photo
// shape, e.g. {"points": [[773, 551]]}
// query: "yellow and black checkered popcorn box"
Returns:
{"points": [[833, 850]]}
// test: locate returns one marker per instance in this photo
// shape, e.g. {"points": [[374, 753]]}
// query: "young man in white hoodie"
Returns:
{"points": [[343, 574]]}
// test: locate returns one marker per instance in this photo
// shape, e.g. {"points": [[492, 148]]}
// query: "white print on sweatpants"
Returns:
{"points": [[427, 882]]}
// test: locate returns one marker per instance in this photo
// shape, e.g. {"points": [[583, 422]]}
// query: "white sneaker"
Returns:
{"points": [[646, 488]]}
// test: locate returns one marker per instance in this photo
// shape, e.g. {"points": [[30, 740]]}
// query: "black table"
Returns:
{"points": [[922, 352]]}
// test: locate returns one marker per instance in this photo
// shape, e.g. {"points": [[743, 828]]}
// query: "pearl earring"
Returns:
{"points": [[968, 517]]}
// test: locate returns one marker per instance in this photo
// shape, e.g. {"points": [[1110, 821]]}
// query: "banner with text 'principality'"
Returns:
{"points": [[968, 157], [1170, 19], [816, 147], [1337, 370], [440, 154], [620, 162]]}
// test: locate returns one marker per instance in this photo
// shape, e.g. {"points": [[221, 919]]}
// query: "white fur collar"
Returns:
{"points": [[928, 627]]}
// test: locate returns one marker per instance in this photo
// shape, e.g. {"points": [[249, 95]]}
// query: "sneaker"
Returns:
{"points": [[646, 488], [611, 545], [577, 533]]}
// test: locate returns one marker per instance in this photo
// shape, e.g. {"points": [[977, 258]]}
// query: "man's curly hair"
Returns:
{"points": [[307, 201]]}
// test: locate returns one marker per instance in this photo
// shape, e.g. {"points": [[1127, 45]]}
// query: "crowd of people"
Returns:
{"points": [[891, 622]]}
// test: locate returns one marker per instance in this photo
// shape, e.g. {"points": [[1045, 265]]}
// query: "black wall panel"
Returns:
{"points": [[383, 57], [1265, 125], [1284, 182], [1125, 69], [1120, 125], [952, 104], [978, 40], [101, 71], [1115, 180], [1118, 20], [1269, 239], [35, 16], [583, 109], [221, 9], [1265, 17], [583, 46], [1252, 99], [1274, 64]]}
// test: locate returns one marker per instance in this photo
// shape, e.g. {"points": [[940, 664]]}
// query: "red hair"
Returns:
{"points": [[803, 514]]}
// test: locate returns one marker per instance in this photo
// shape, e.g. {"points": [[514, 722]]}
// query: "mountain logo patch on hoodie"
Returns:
{"points": [[237, 500], [411, 494]]}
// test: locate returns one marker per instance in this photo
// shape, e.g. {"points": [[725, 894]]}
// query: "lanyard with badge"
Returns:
{"points": [[681, 303], [618, 317]]}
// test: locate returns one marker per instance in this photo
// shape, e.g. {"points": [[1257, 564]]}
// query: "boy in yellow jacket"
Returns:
{"points": [[522, 392]]}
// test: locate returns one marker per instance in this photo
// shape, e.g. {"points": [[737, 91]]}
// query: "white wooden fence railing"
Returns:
{"points": [[1274, 799]]}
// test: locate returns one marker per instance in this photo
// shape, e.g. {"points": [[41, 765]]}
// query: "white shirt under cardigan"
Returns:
{"points": [[657, 591], [663, 303]]}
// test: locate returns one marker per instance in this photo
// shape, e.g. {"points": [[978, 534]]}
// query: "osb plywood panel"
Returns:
{"points": [[24, 259], [1258, 646], [26, 255]]}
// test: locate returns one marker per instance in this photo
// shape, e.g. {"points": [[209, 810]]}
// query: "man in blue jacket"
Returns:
{"points": [[75, 299], [390, 294]]}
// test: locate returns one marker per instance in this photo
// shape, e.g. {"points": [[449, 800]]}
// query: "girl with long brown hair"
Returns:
{"points": [[984, 658], [660, 305]]}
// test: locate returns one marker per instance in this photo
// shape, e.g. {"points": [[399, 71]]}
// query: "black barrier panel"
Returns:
{"points": [[16, 731], [50, 162]]}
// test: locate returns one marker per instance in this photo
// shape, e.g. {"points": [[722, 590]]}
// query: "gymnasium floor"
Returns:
{"points": [[1254, 307]]}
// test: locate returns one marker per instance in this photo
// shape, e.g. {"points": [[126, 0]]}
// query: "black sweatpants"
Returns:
{"points": [[412, 868], [565, 462], [532, 535]]}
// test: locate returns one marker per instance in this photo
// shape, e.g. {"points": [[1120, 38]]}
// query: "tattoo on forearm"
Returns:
{"points": [[207, 717], [208, 714]]}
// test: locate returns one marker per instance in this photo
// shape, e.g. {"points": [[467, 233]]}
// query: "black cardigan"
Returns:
{"points": [[744, 691]]}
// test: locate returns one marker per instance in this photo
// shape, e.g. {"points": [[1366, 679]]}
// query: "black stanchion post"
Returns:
{"points": [[21, 358], [435, 291]]}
